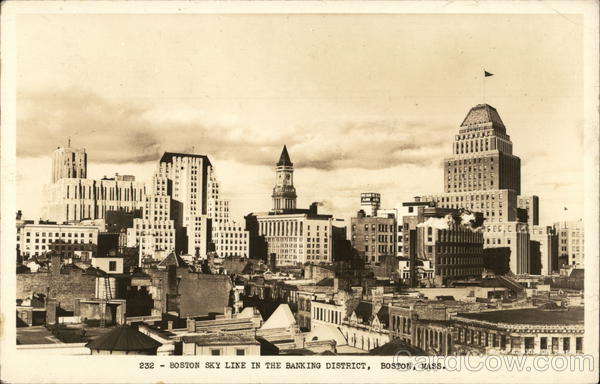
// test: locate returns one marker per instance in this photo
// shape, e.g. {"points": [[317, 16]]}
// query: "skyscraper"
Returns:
{"points": [[482, 155], [284, 193], [72, 197], [184, 212], [483, 175], [68, 163]]}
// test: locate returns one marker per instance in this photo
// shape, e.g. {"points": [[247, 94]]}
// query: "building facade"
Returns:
{"points": [[76, 199], [484, 175], [300, 237], [69, 163], [482, 155], [374, 230], [228, 238], [570, 241], [373, 237], [528, 331], [548, 240], [514, 235], [154, 234], [448, 240], [532, 205], [184, 213], [68, 240]]}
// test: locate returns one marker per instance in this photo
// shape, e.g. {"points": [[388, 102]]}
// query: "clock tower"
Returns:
{"points": [[284, 193]]}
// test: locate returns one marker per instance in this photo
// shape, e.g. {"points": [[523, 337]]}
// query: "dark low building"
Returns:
{"points": [[124, 340]]}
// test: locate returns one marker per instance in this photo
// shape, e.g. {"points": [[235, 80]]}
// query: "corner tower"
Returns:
{"points": [[284, 193]]}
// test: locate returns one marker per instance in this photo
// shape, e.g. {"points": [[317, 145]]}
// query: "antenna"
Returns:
{"points": [[69, 142]]}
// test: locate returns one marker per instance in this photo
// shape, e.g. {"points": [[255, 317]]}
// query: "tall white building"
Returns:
{"points": [[71, 197], [228, 237], [483, 175], [73, 200], [185, 213], [69, 163], [154, 234], [570, 241]]}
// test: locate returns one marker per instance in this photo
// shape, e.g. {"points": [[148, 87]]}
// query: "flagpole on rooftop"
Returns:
{"points": [[485, 74]]}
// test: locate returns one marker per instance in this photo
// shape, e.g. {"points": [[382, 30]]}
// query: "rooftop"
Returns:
{"points": [[532, 316], [173, 259], [483, 114], [220, 339], [123, 338], [167, 157]]}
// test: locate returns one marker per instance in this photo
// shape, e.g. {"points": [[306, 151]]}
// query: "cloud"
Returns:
{"points": [[118, 131]]}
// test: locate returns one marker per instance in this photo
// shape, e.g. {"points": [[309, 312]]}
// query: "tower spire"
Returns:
{"points": [[284, 159], [284, 193]]}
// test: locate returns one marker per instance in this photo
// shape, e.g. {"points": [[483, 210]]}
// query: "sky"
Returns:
{"points": [[364, 103]]}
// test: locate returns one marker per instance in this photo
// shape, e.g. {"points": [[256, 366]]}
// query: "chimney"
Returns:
{"points": [[54, 265], [228, 312], [314, 207], [417, 199], [336, 285], [191, 325]]}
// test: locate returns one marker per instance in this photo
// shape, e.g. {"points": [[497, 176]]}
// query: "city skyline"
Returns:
{"points": [[361, 125]]}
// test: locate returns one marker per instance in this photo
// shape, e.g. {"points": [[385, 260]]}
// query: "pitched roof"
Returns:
{"points": [[281, 318], [384, 314], [173, 259], [483, 114], [167, 157], [284, 159], [577, 273], [123, 338], [326, 282]]}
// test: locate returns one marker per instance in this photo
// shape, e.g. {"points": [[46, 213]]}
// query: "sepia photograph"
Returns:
{"points": [[259, 191]]}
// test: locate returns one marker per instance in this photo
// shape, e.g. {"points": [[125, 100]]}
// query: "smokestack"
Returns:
{"points": [[412, 242]]}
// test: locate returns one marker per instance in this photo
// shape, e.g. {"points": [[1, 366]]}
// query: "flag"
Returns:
{"points": [[487, 74], [566, 209]]}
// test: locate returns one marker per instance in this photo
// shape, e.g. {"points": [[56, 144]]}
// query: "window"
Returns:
{"points": [[112, 266], [240, 352]]}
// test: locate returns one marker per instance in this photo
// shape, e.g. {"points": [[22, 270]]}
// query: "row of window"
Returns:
{"points": [[62, 234]]}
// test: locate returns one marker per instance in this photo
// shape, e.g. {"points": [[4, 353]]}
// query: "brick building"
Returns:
{"points": [[373, 237], [65, 284]]}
